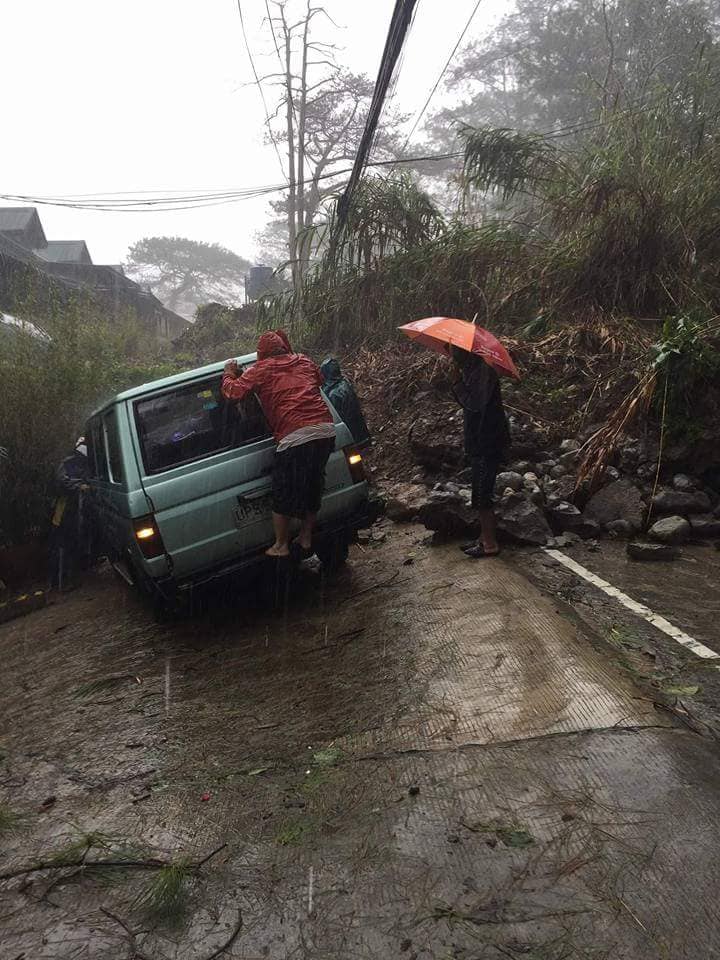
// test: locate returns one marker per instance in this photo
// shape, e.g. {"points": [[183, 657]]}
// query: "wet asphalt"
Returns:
{"points": [[421, 757]]}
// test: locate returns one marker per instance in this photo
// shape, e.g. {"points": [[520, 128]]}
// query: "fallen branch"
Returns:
{"points": [[82, 862], [136, 953]]}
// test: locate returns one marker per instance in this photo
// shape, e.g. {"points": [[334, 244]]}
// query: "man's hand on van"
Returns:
{"points": [[231, 368]]}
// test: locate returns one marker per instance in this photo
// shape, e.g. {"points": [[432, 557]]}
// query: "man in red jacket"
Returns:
{"points": [[288, 387]]}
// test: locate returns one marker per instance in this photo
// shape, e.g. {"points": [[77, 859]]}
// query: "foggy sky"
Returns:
{"points": [[155, 95]]}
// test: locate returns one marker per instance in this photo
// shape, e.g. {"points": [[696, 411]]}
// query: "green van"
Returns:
{"points": [[181, 483]]}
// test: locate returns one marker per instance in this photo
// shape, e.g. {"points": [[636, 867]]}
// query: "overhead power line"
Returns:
{"points": [[173, 201], [442, 74], [260, 88], [399, 25]]}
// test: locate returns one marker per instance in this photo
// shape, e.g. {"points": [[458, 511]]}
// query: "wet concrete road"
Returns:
{"points": [[425, 758]]}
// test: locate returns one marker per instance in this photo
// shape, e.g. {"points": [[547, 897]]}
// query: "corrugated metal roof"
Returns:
{"points": [[65, 251]]}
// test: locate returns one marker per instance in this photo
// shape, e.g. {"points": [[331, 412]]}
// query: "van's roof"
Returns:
{"points": [[176, 378]]}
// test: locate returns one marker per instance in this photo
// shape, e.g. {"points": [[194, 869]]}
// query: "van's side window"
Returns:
{"points": [[195, 421], [113, 446], [96, 451]]}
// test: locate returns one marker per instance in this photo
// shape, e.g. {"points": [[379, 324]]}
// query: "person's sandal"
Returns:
{"points": [[478, 552]]}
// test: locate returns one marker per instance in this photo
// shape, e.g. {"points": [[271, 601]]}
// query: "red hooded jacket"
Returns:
{"points": [[286, 384]]}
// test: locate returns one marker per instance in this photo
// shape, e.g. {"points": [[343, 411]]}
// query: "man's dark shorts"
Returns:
{"points": [[298, 480], [484, 473]]}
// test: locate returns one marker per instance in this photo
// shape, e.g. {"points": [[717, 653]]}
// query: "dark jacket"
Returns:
{"points": [[478, 393], [72, 473], [341, 394]]}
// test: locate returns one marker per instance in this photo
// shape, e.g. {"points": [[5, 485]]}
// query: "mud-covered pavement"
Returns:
{"points": [[423, 758]]}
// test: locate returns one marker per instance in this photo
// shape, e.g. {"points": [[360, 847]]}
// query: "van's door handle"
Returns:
{"points": [[256, 494]]}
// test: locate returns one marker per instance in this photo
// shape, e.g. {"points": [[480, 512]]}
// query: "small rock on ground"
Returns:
{"points": [[652, 551], [670, 530]]}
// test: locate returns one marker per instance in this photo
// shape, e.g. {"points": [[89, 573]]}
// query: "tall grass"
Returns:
{"points": [[626, 221], [47, 389]]}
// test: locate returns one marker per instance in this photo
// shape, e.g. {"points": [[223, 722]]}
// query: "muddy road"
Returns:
{"points": [[422, 758]]}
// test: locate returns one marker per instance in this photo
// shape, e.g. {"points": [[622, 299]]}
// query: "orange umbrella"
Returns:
{"points": [[441, 333]]}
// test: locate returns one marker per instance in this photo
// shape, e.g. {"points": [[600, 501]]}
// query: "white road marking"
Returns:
{"points": [[311, 888], [699, 649]]}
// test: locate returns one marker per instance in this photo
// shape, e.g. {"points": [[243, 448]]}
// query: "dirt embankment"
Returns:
{"points": [[576, 385]]}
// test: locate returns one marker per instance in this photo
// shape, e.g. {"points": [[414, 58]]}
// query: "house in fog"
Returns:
{"points": [[66, 267]]}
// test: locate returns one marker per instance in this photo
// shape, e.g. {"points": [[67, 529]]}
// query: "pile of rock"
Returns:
{"points": [[535, 496]]}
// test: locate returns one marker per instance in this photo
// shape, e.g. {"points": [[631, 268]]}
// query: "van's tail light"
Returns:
{"points": [[355, 464], [148, 537]]}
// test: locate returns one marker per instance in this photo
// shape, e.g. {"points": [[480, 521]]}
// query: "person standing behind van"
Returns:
{"points": [[341, 394], [288, 387], [69, 538]]}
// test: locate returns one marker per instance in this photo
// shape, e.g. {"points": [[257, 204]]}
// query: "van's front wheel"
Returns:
{"points": [[332, 554]]}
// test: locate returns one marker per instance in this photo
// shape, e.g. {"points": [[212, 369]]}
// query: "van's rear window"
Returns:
{"points": [[195, 421]]}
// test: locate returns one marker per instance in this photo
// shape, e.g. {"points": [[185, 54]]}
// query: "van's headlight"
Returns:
{"points": [[144, 533]]}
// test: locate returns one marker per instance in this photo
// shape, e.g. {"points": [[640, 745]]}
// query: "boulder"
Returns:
{"points": [[569, 459], [521, 467], [524, 522], [623, 529], [683, 483], [444, 496], [704, 525], [509, 478], [569, 446], [560, 489], [558, 471], [566, 518], [680, 503], [405, 500], [652, 551], [619, 500], [436, 447], [451, 518], [530, 480], [670, 530], [564, 540]]}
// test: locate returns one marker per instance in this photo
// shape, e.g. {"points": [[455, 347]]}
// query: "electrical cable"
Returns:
{"points": [[199, 201], [442, 74], [399, 25]]}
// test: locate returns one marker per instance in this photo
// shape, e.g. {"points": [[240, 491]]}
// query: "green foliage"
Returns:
{"points": [[504, 160], [165, 896], [689, 364], [292, 834], [10, 821], [48, 388], [218, 332], [626, 222]]}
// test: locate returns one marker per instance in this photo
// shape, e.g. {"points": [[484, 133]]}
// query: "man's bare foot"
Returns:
{"points": [[278, 550]]}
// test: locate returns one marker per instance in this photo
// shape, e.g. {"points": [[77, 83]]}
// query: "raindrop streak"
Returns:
{"points": [[167, 686], [311, 885]]}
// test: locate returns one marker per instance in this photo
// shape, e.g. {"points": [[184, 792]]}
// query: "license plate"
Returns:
{"points": [[248, 511]]}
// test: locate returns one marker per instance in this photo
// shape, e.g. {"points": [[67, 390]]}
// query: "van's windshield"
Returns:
{"points": [[194, 421]]}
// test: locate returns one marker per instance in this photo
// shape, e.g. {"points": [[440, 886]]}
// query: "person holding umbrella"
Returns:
{"points": [[478, 357], [486, 434]]}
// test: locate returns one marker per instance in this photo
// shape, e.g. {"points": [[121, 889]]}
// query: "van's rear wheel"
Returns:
{"points": [[332, 554]]}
